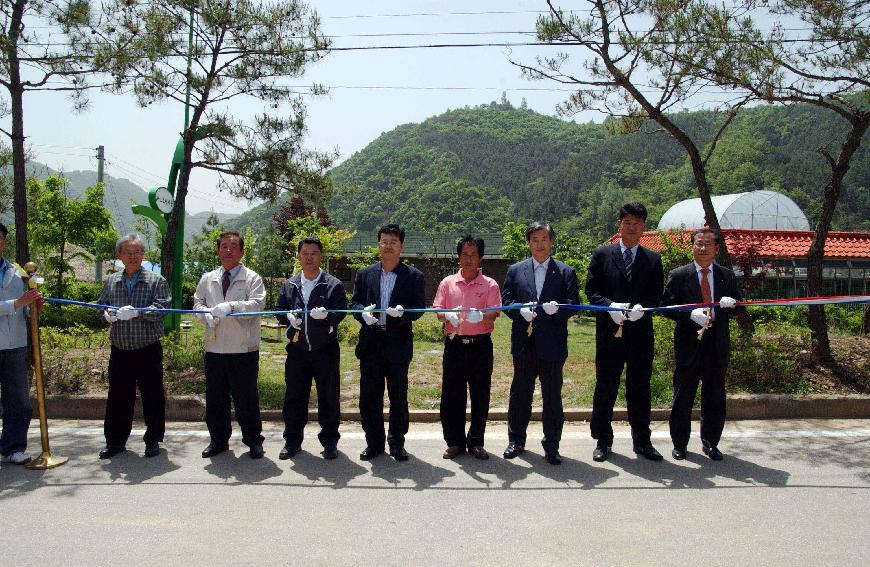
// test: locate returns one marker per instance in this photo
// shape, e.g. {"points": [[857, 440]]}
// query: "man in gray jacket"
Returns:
{"points": [[232, 347], [14, 378]]}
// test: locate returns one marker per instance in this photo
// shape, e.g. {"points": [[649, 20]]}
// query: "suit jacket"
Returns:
{"points": [[607, 283], [550, 331], [409, 292], [683, 287]]}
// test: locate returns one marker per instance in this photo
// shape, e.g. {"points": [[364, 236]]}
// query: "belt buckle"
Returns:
{"points": [[466, 341]]}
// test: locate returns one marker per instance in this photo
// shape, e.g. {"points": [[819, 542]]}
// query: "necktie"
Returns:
{"points": [[629, 260], [705, 286], [225, 282]]}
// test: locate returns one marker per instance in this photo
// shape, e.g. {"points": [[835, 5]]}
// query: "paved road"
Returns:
{"points": [[787, 493]]}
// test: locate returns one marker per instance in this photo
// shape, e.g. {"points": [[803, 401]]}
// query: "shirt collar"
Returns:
{"points": [[233, 272], [305, 280], [623, 248], [459, 277], [698, 267], [535, 263]]}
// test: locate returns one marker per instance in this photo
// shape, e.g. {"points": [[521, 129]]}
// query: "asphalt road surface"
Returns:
{"points": [[788, 493]]}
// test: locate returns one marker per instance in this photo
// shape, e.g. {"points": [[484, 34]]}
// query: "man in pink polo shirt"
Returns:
{"points": [[467, 348]]}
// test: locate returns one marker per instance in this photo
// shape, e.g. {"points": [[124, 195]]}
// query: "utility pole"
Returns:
{"points": [[101, 162]]}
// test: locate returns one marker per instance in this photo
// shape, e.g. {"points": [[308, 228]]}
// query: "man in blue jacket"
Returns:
{"points": [[539, 338], [14, 378], [315, 300]]}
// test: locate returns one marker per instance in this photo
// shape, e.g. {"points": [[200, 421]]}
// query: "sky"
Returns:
{"points": [[370, 91]]}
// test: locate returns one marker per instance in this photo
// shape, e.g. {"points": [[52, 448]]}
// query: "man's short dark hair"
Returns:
{"points": [[3, 230], [717, 237], [468, 239], [310, 240], [231, 233], [538, 225], [633, 209], [393, 229]]}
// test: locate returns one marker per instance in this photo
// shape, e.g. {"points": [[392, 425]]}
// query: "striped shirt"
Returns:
{"points": [[150, 290], [388, 282]]}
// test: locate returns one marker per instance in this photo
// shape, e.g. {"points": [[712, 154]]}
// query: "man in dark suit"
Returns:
{"points": [[386, 341], [702, 343], [539, 339], [629, 277]]}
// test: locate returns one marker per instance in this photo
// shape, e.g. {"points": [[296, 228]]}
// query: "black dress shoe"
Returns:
{"points": [[553, 457], [399, 453], [713, 452], [256, 452], [370, 453], [214, 449], [329, 453], [678, 454], [513, 450], [152, 449], [288, 451], [600, 453], [110, 451], [648, 452], [479, 452]]}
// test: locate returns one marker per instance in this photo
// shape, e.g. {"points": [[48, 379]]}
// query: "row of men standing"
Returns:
{"points": [[623, 276]]}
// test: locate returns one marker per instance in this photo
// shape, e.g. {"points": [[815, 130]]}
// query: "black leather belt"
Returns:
{"points": [[470, 339]]}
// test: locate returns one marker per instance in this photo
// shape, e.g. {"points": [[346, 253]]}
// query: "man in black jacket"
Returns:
{"points": [[539, 339], [316, 301], [386, 341], [628, 276], [702, 343]]}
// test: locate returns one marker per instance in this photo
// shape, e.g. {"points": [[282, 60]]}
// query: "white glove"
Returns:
{"points": [[396, 311], [727, 302], [452, 317], [367, 315], [699, 316], [295, 321], [318, 313], [636, 312], [221, 310], [127, 312], [110, 315], [527, 313], [209, 320], [619, 316], [474, 316], [550, 307]]}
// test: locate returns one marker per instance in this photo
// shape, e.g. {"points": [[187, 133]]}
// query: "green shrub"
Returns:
{"points": [[183, 352], [427, 328]]}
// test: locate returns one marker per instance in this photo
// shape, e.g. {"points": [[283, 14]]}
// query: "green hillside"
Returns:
{"points": [[476, 168]]}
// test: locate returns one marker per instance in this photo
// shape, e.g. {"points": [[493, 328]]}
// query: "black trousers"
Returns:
{"points": [[467, 361], [706, 370], [127, 369], [609, 362], [236, 375], [301, 367], [527, 367], [376, 369]]}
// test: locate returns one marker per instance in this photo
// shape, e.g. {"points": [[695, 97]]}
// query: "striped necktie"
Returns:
{"points": [[629, 260]]}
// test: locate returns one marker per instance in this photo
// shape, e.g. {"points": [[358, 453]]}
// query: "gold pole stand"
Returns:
{"points": [[45, 460]]}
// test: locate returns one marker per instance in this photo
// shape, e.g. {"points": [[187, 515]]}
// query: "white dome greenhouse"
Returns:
{"points": [[765, 210]]}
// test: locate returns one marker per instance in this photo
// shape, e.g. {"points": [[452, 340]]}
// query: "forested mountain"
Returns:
{"points": [[476, 168], [120, 195]]}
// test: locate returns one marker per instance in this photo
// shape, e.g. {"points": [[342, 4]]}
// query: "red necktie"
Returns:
{"points": [[705, 286]]}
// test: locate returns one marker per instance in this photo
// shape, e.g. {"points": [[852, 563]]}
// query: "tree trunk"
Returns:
{"points": [[820, 343], [16, 96]]}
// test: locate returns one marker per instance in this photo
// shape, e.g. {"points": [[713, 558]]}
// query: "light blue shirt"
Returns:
{"points": [[623, 248], [540, 274], [233, 273], [4, 265], [388, 282], [130, 282]]}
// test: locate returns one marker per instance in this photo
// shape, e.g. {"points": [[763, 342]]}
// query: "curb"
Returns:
{"points": [[740, 406]]}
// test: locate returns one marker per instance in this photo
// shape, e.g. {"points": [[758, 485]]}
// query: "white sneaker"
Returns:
{"points": [[16, 458]]}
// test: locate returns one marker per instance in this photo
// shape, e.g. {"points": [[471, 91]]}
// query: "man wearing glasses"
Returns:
{"points": [[136, 356], [386, 343]]}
